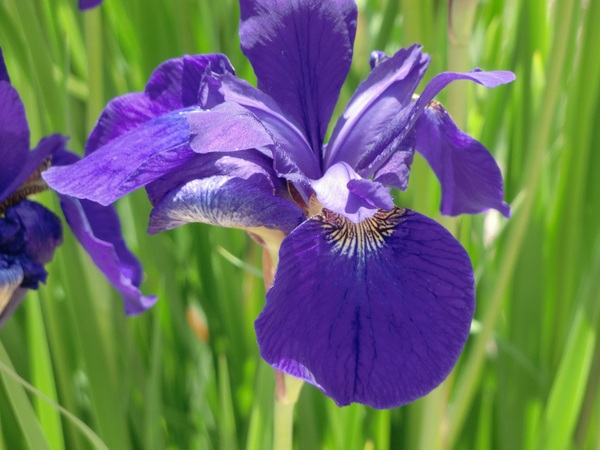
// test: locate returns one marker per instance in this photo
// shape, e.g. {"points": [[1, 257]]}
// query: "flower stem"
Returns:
{"points": [[287, 390]]}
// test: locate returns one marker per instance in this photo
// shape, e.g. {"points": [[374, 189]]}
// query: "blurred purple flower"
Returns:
{"points": [[88, 4], [370, 303], [29, 232]]}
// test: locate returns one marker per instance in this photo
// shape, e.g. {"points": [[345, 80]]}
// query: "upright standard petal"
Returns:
{"points": [[236, 189], [374, 313], [470, 178], [301, 52], [381, 98]]}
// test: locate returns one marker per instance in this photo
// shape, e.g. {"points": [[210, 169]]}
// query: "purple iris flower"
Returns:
{"points": [[88, 4], [370, 303], [29, 232]]}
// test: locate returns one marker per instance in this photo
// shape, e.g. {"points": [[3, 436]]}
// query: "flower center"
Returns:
{"points": [[33, 185], [357, 239]]}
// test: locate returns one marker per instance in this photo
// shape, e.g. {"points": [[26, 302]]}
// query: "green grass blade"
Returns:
{"points": [[31, 429]]}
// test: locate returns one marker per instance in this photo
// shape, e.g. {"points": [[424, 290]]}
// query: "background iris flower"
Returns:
{"points": [[29, 233], [88, 4], [370, 303]]}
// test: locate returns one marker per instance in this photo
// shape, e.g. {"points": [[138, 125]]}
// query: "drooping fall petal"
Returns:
{"points": [[470, 178], [374, 313]]}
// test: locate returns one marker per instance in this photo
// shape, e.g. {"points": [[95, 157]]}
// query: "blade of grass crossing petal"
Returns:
{"points": [[43, 373]]}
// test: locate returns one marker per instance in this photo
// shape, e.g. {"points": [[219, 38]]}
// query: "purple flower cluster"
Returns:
{"points": [[371, 303], [29, 233]]}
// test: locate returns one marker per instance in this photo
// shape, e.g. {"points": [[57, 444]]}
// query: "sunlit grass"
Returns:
{"points": [[529, 377]]}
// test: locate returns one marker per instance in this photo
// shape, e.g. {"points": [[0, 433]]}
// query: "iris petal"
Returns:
{"points": [[14, 136], [286, 134], [344, 192], [42, 231], [382, 97], [470, 178], [29, 234], [97, 229], [237, 189], [47, 147], [12, 302], [88, 4], [11, 276], [400, 127], [3, 72], [375, 313], [175, 84], [226, 127], [301, 52], [126, 163]]}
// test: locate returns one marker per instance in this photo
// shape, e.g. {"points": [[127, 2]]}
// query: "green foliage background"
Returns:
{"points": [[530, 373]]}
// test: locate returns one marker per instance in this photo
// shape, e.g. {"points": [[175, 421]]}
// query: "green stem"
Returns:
{"points": [[287, 390]]}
